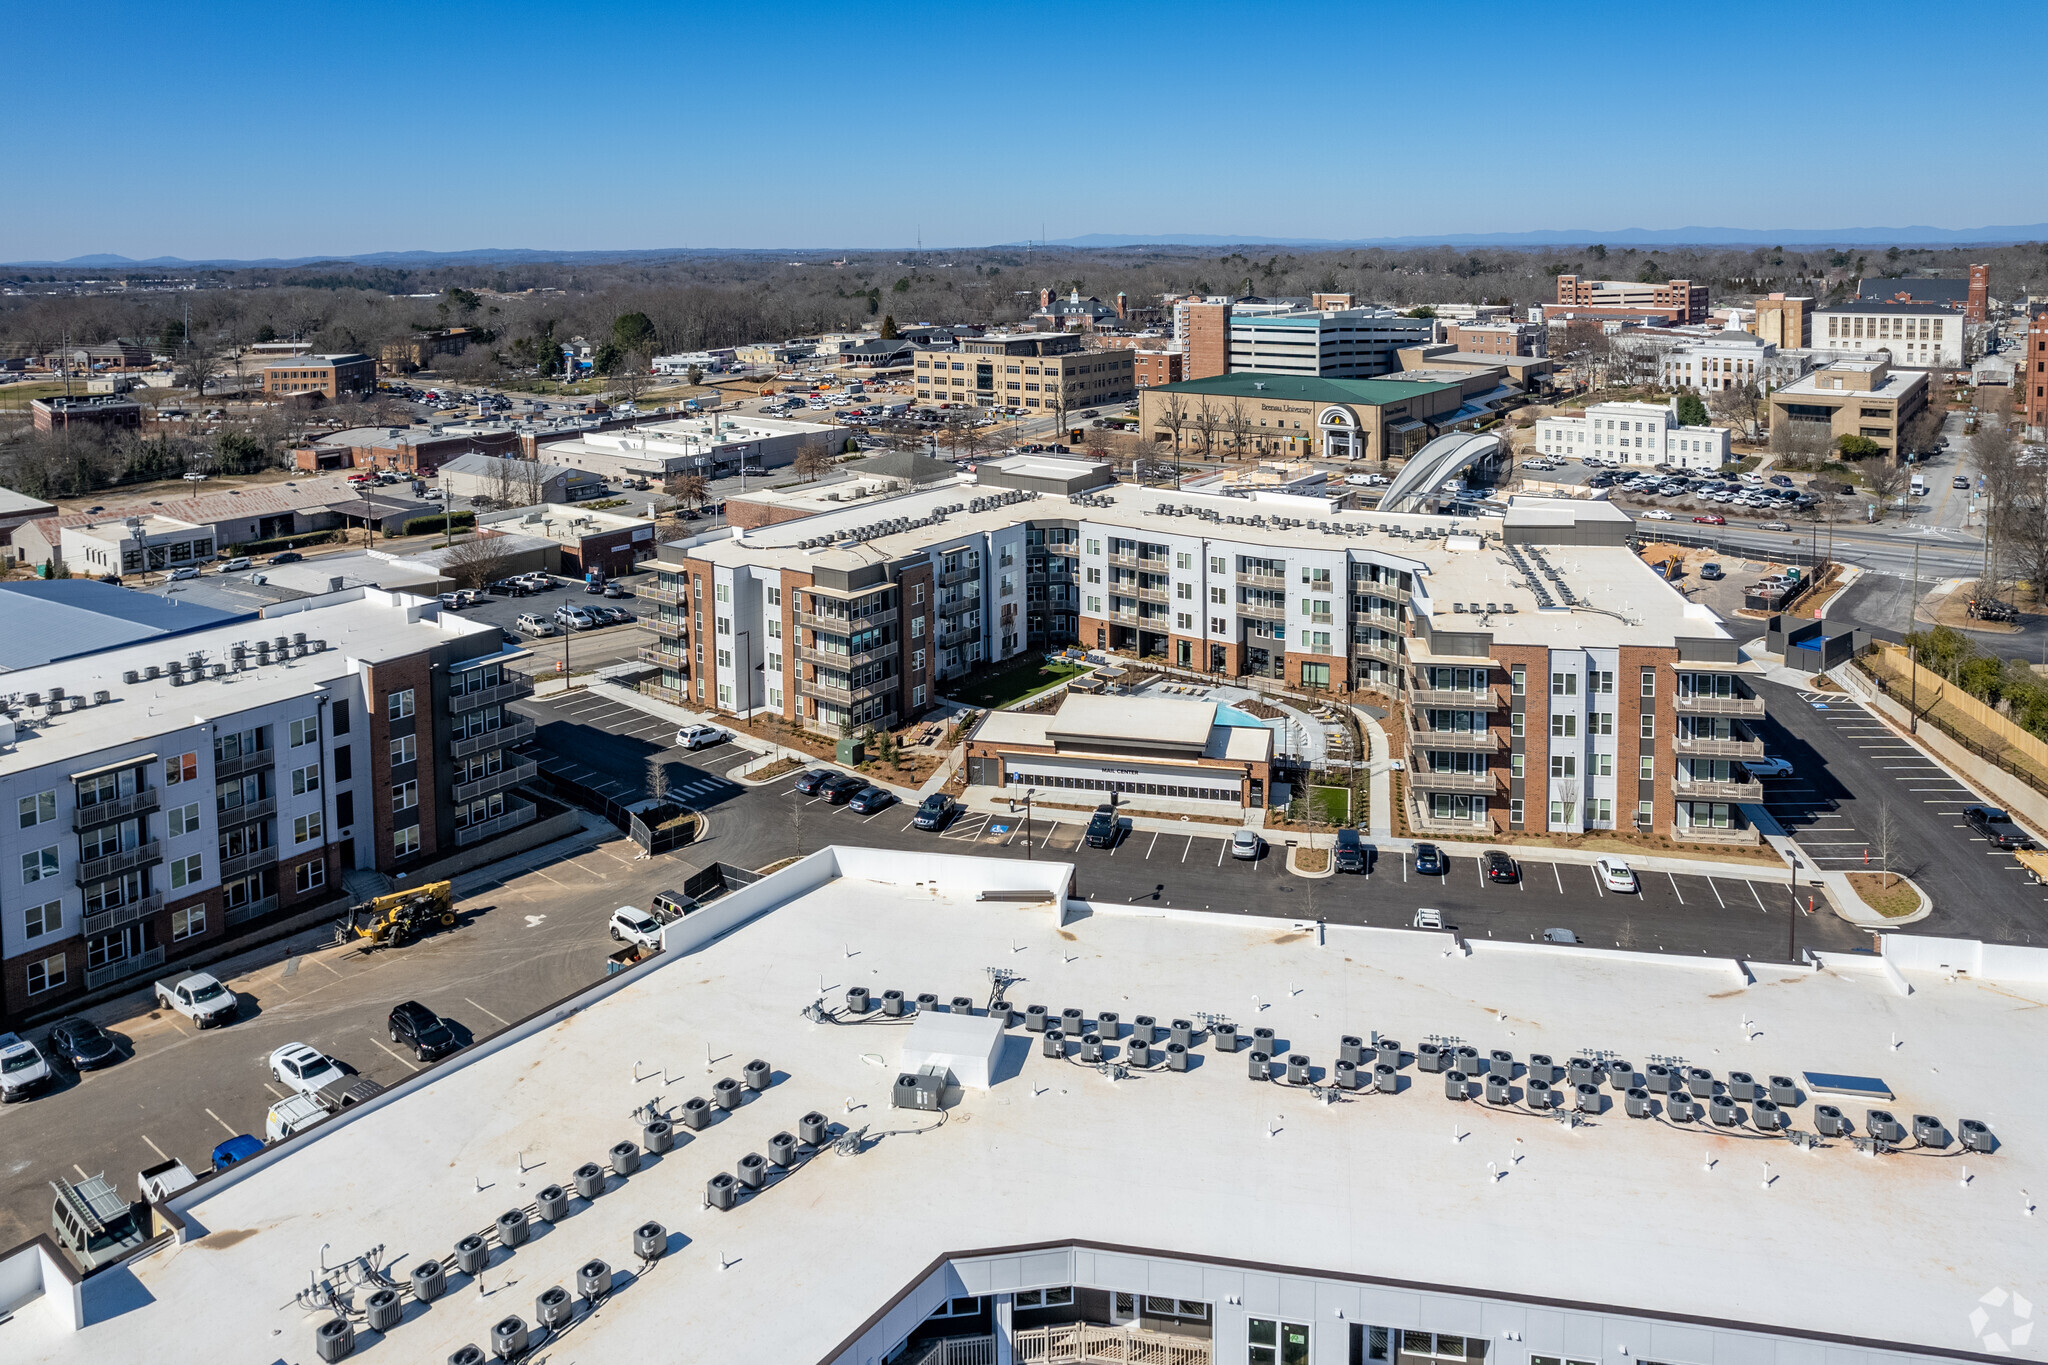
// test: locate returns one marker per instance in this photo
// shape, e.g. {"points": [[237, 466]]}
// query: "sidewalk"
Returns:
{"points": [[1379, 776]]}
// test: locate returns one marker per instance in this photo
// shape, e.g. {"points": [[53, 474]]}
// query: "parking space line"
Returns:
{"points": [[1674, 889], [153, 1147], [1594, 873], [1717, 893], [1753, 893], [221, 1121], [1560, 878], [1190, 848], [1154, 844], [468, 1001], [1048, 835], [1226, 844], [395, 1057], [273, 1090]]}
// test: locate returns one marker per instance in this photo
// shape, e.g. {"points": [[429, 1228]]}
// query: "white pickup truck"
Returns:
{"points": [[199, 998]]}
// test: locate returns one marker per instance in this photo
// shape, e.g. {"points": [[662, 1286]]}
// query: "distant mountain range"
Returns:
{"points": [[1686, 236]]}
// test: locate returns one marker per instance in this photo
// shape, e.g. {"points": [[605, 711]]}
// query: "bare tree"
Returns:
{"points": [[198, 366], [1173, 417], [1883, 832], [691, 490], [1207, 423], [1739, 405], [480, 560], [1886, 479], [657, 780], [1238, 423], [814, 461], [632, 379]]}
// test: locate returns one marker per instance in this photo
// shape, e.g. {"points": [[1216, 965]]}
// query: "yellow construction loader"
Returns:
{"points": [[389, 921]]}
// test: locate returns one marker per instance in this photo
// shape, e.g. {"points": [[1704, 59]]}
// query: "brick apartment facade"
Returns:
{"points": [[1683, 299], [1154, 369]]}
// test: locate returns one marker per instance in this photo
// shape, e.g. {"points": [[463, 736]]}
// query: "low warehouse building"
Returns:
{"points": [[1156, 751]]}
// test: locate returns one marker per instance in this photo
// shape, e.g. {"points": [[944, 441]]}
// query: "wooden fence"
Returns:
{"points": [[2012, 747]]}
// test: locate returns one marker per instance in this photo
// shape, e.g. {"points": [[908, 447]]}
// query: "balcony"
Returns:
{"points": [[1477, 741], [99, 921], [674, 660], [1719, 748], [96, 977], [1265, 611], [948, 636], [512, 689], [1456, 699], [1386, 648], [107, 812], [1701, 834], [1163, 593], [844, 661], [846, 625], [1124, 561], [948, 577], [1709, 789], [242, 864], [92, 870], [1077, 1341], [504, 737], [953, 606], [494, 782], [513, 818], [1424, 778], [227, 817], [242, 914], [1260, 578], [847, 696], [224, 768], [1700, 704], [667, 597]]}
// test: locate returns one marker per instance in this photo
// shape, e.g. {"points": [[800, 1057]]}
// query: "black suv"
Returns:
{"points": [[422, 1030], [811, 781], [1103, 827], [934, 812], [82, 1045], [839, 789], [1997, 827], [1350, 852]]}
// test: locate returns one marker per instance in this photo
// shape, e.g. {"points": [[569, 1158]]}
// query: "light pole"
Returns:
{"points": [[1029, 793], [1792, 921]]}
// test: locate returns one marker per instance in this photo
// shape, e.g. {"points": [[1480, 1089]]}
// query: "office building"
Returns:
{"points": [[713, 445], [1867, 398], [1335, 419], [850, 618], [171, 791], [1785, 321], [508, 482], [107, 412], [1026, 370], [416, 352], [1349, 343], [1634, 434], [329, 376], [1682, 299], [1729, 359], [1498, 338], [1152, 369], [1969, 297], [1917, 335], [594, 545]]}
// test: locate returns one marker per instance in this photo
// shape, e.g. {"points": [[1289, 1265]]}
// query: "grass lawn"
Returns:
{"points": [[1013, 682], [1333, 804], [20, 395], [1890, 901]]}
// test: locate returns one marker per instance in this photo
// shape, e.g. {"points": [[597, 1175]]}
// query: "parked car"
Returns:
{"points": [[293, 1115], [23, 1072], [1615, 874], [1103, 827], [809, 782], [840, 788], [1246, 845], [179, 575], [1560, 936], [870, 799], [576, 618], [1997, 827], [935, 812], [419, 1028], [630, 924], [452, 601], [1501, 868], [234, 562], [616, 589], [1712, 572], [304, 1069], [240, 1147], [701, 736], [287, 557], [200, 998], [1349, 854], [1430, 861], [530, 624], [83, 1045], [1960, 481], [1767, 767], [615, 616]]}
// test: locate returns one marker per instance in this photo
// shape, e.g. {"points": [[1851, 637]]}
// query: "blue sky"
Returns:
{"points": [[240, 131]]}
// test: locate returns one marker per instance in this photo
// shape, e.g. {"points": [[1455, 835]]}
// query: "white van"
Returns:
{"points": [[293, 1114], [1919, 485]]}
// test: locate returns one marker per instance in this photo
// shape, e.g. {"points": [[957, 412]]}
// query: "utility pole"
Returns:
{"points": [[1912, 619]]}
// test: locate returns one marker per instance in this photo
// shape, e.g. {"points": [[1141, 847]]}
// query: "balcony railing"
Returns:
{"points": [[843, 661], [120, 808], [242, 864], [1710, 789], [846, 696], [1719, 748], [242, 914], [504, 737], [243, 763], [948, 636], [1387, 648], [1088, 1342], [1457, 699], [1161, 593], [1257, 578], [494, 782], [667, 597], [95, 977], [1426, 778], [512, 689], [1702, 834], [99, 921], [960, 575], [1265, 611], [513, 818], [674, 659], [953, 606], [1124, 561], [1701, 704], [230, 816], [1423, 737], [92, 870], [846, 625]]}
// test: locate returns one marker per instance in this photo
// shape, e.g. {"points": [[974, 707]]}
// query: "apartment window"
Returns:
{"points": [[344, 763], [1646, 767], [1184, 622], [40, 864], [184, 819], [1603, 765], [311, 876], [1094, 547], [724, 625], [1276, 1343], [405, 796], [1518, 680], [1184, 591], [1219, 625], [345, 809], [1218, 564], [1564, 726], [305, 731], [1183, 561], [1606, 684], [1649, 725], [1094, 575], [340, 712], [46, 974], [917, 627], [188, 922], [43, 919], [1514, 818], [724, 593], [1564, 684], [1515, 762], [1649, 682], [725, 658], [1564, 765], [404, 750], [1600, 723], [1517, 723], [405, 841], [306, 828], [398, 705], [1441, 1345], [186, 871], [185, 767], [306, 779]]}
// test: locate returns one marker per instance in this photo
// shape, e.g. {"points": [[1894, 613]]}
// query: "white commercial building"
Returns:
{"points": [[712, 445], [1336, 343], [1150, 1187], [136, 544], [707, 362], [1919, 336], [1729, 359], [1634, 433]]}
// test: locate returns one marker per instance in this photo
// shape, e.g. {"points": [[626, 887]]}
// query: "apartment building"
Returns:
{"points": [[1026, 370], [1729, 359], [1155, 369], [330, 376], [169, 793], [1686, 300], [1785, 321], [421, 349], [1917, 335], [1348, 343], [1554, 681], [2030, 377], [1866, 398], [1634, 434]]}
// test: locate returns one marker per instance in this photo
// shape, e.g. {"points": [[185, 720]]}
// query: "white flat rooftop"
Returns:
{"points": [[1658, 1219]]}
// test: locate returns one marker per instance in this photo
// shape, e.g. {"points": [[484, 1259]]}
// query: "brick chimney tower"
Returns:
{"points": [[1979, 306], [1044, 299], [1123, 305]]}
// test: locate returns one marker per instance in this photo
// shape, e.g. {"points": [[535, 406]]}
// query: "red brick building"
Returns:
{"points": [[1496, 338], [1154, 368], [330, 376], [1686, 301], [2031, 376], [55, 414]]}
